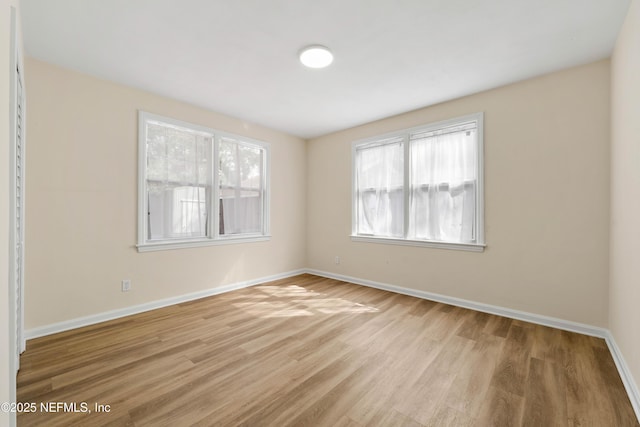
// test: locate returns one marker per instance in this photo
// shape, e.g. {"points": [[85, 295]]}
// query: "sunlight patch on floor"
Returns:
{"points": [[307, 303], [288, 291], [336, 305]]}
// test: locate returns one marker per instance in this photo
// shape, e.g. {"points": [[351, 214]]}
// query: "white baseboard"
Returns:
{"points": [[115, 314], [625, 374], [486, 308]]}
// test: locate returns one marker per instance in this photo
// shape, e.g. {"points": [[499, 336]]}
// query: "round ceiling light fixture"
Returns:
{"points": [[316, 56]]}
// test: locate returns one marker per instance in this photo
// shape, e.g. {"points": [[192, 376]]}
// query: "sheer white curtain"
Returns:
{"points": [[380, 188], [443, 182], [241, 187], [178, 181]]}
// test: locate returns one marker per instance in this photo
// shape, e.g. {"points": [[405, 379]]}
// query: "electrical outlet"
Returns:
{"points": [[337, 260], [126, 285]]}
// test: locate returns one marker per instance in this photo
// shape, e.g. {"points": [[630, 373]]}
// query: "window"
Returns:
{"points": [[421, 186], [199, 186]]}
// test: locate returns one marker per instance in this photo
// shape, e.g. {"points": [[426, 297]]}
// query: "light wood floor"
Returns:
{"points": [[318, 352]]}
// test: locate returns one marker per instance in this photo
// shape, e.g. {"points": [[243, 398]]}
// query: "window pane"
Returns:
{"points": [[443, 181], [241, 187], [379, 188], [178, 181]]}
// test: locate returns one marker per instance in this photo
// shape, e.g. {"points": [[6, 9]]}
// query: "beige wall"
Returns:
{"points": [[624, 315], [546, 197], [82, 206]]}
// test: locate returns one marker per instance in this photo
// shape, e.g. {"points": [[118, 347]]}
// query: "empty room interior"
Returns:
{"points": [[323, 213]]}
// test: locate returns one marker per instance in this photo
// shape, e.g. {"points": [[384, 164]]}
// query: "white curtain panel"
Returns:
{"points": [[443, 181], [241, 188], [178, 181], [379, 182]]}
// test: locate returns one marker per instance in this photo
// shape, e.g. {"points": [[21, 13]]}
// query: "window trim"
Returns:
{"points": [[214, 238], [479, 244]]}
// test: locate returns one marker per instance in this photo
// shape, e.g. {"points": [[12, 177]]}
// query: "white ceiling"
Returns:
{"points": [[239, 57]]}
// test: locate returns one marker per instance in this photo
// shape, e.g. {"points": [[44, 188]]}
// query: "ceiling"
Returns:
{"points": [[391, 56]]}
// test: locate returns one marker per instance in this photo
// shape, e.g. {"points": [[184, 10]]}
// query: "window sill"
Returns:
{"points": [[182, 244], [471, 247]]}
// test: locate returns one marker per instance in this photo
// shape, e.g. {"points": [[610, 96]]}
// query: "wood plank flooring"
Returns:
{"points": [[310, 351]]}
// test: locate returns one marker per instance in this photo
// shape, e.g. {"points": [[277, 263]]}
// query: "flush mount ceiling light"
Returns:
{"points": [[316, 56]]}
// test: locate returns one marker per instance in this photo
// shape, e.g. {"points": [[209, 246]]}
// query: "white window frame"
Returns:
{"points": [[479, 244], [213, 238]]}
